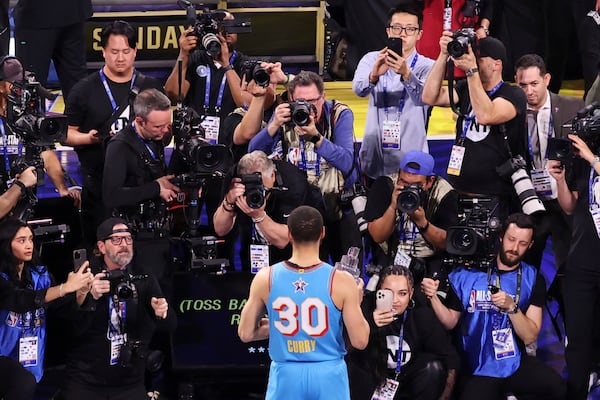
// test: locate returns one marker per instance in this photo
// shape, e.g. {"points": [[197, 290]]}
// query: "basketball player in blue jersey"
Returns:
{"points": [[306, 301]]}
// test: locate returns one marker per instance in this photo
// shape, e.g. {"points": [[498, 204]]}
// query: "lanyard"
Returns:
{"points": [[139, 137], [400, 341], [402, 231], [468, 119], [402, 100], [113, 103], [221, 87]]}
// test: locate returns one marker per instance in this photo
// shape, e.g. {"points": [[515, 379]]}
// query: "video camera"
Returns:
{"points": [[253, 71], [461, 39], [300, 111], [133, 349], [207, 25], [412, 197], [122, 283], [586, 125], [255, 190], [474, 241]]}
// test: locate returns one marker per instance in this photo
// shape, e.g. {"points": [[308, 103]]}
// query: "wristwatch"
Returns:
{"points": [[471, 71], [315, 139], [227, 68], [514, 310]]}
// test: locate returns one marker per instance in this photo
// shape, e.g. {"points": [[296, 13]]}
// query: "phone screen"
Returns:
{"points": [[79, 257]]}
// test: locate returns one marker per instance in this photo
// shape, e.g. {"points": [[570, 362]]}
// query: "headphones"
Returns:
{"points": [[2, 61]]}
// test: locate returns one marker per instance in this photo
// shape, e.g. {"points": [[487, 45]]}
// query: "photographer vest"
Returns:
{"points": [[319, 171]]}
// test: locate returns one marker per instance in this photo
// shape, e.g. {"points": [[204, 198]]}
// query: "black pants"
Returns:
{"points": [[64, 45], [78, 392], [581, 294], [533, 380], [16, 383]]}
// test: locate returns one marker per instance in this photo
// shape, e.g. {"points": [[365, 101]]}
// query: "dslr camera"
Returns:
{"points": [[132, 349], [515, 169], [254, 72], [255, 190], [300, 111], [460, 42], [208, 25], [122, 283], [411, 198]]}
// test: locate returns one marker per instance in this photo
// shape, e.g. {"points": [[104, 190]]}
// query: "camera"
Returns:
{"points": [[132, 349], [300, 112], [209, 24], [493, 289], [21, 163], [460, 42], [411, 197], [476, 237], [559, 149], [515, 168], [255, 191], [202, 158], [122, 283], [26, 116], [253, 71], [586, 125], [356, 196]]}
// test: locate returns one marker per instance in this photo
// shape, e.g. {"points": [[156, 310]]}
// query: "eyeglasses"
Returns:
{"points": [[117, 240], [397, 29], [312, 101]]}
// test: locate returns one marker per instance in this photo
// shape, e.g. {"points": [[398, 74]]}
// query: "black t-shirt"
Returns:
{"points": [[584, 240], [478, 173], [200, 66], [89, 107]]}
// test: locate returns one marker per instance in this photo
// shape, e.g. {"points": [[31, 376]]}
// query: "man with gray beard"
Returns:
{"points": [[112, 329]]}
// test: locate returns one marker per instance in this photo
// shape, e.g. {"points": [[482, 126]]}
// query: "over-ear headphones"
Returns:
{"points": [[2, 61]]}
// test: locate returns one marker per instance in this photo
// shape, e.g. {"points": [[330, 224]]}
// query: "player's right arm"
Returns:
{"points": [[253, 326], [347, 296]]}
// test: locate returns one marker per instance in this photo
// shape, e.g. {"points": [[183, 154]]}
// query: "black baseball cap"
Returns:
{"points": [[493, 48], [106, 228]]}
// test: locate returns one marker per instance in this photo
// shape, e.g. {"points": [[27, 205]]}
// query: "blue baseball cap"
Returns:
{"points": [[423, 163]]}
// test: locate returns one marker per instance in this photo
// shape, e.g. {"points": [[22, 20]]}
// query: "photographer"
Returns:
{"points": [[500, 311], [111, 330], [579, 197], [491, 119], [408, 217], [11, 143], [99, 106], [317, 136], [393, 78], [136, 186], [281, 187]]}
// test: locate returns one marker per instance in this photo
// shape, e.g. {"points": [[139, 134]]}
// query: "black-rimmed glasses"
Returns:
{"points": [[397, 29], [117, 240]]}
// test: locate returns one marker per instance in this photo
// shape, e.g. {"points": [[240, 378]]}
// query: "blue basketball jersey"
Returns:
{"points": [[305, 324]]}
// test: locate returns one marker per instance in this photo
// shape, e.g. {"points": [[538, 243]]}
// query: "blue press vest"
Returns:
{"points": [[14, 326], [305, 325], [471, 287]]}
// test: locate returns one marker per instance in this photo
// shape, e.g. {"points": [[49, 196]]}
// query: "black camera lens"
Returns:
{"points": [[261, 76], [408, 201]]}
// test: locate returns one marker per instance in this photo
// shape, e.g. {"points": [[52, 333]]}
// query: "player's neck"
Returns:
{"points": [[305, 256]]}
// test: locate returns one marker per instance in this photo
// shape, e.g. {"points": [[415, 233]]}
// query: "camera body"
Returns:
{"points": [[586, 125], [411, 197], [515, 169], [25, 114], [132, 349], [560, 149], [209, 24], [122, 283], [460, 42], [300, 111], [474, 241], [253, 71], [255, 190], [21, 163]]}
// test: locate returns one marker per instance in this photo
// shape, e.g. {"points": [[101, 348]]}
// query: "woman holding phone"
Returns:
{"points": [[425, 367], [23, 334]]}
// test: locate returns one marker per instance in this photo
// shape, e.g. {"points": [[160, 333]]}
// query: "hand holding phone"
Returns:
{"points": [[394, 44], [79, 257], [384, 300]]}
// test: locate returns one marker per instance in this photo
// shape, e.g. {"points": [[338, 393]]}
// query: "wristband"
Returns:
{"points": [[287, 78], [20, 185], [259, 219], [225, 203], [422, 230], [60, 294], [315, 139], [227, 68]]}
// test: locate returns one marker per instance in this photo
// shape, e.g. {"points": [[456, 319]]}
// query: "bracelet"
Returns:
{"points": [[60, 290], [287, 78], [259, 219], [592, 164], [424, 229], [225, 203], [20, 185], [227, 68]]}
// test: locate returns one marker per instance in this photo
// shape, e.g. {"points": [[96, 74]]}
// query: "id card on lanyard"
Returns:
{"points": [[594, 193]]}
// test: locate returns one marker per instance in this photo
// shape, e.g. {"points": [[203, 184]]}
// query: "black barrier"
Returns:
{"points": [[208, 312]]}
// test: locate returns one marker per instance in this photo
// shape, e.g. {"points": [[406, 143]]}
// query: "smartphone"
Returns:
{"points": [[79, 257], [395, 44], [384, 299]]}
